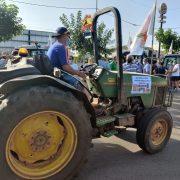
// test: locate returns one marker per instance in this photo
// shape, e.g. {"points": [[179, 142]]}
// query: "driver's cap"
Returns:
{"points": [[61, 31]]}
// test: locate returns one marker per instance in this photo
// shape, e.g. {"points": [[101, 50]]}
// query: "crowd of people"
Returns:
{"points": [[131, 64], [157, 67], [58, 56]]}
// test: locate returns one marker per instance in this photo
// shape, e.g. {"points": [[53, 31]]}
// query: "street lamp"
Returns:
{"points": [[162, 11]]}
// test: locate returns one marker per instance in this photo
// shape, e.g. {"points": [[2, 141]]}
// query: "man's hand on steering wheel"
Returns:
{"points": [[82, 74], [89, 68]]}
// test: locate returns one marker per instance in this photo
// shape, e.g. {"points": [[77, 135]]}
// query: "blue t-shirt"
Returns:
{"points": [[57, 55]]}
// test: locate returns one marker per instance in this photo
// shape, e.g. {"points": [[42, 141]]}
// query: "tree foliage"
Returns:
{"points": [[10, 24], [78, 41], [166, 37]]}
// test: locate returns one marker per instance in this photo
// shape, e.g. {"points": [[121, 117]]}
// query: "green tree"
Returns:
{"points": [[166, 37], [10, 24], [78, 41]]}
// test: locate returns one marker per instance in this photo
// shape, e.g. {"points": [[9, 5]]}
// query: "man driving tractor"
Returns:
{"points": [[58, 56]]}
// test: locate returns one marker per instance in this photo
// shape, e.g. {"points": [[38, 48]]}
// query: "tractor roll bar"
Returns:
{"points": [[118, 34]]}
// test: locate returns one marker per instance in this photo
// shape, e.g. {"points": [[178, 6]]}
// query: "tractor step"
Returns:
{"points": [[103, 120], [125, 119], [110, 133]]}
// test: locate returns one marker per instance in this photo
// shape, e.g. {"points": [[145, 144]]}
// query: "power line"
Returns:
{"points": [[61, 7], [128, 22], [141, 4], [49, 6], [174, 9], [58, 7], [178, 27], [147, 6]]}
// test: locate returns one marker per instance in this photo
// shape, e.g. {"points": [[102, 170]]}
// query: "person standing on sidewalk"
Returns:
{"points": [[129, 65], [147, 66], [175, 76]]}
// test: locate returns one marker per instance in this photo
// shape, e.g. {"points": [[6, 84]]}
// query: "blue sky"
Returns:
{"points": [[135, 11]]}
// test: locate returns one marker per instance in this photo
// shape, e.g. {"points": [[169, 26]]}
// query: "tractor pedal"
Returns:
{"points": [[110, 133], [103, 120], [125, 119]]}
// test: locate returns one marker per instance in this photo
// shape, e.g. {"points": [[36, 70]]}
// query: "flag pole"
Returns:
{"points": [[152, 42]]}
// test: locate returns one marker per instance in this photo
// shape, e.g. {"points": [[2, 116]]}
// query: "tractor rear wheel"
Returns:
{"points": [[45, 133], [154, 130]]}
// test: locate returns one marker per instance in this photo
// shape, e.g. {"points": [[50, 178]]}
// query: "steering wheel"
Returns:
{"points": [[89, 68]]}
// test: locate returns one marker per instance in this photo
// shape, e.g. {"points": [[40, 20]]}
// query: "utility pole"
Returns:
{"points": [[29, 37], [96, 5], [162, 11], [152, 42]]}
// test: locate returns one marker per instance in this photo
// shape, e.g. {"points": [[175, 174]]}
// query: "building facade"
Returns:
{"points": [[27, 38]]}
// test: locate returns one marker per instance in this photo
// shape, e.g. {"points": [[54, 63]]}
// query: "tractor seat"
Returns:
{"points": [[17, 71], [43, 64]]}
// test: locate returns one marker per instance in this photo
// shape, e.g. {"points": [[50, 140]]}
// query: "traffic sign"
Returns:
{"points": [[163, 8], [162, 21]]}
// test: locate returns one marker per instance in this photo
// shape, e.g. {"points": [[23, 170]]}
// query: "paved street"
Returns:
{"points": [[115, 158]]}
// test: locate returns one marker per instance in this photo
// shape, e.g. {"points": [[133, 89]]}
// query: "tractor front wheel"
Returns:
{"points": [[154, 130], [45, 133]]}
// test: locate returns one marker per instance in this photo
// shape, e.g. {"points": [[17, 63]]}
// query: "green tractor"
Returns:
{"points": [[47, 125]]}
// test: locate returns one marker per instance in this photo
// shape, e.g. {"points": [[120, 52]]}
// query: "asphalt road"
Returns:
{"points": [[114, 158]]}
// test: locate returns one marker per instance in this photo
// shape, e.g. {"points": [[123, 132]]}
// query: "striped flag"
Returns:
{"points": [[139, 41]]}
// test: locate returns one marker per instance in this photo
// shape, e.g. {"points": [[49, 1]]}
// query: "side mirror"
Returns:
{"points": [[87, 26], [87, 34]]}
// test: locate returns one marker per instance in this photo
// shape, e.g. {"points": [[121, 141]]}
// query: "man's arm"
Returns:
{"points": [[65, 66], [70, 70]]}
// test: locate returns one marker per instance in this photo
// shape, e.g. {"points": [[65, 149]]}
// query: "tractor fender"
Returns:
{"points": [[15, 84]]}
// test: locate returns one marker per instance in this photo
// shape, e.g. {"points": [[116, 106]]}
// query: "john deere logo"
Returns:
{"points": [[111, 80]]}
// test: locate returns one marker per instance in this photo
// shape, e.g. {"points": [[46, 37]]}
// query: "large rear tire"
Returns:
{"points": [[154, 130], [45, 133]]}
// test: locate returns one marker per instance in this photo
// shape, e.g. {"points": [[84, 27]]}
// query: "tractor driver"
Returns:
{"points": [[57, 54]]}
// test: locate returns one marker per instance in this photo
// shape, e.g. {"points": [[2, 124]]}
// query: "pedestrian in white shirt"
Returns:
{"points": [[147, 66], [175, 76]]}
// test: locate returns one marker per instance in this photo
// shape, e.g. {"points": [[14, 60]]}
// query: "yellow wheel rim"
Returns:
{"points": [[41, 145], [159, 132]]}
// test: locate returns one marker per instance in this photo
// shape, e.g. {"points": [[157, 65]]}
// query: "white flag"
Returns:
{"points": [[139, 41], [171, 48], [129, 42], [152, 23]]}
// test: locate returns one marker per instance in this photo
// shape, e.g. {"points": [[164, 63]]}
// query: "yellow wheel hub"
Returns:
{"points": [[41, 145], [159, 132]]}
